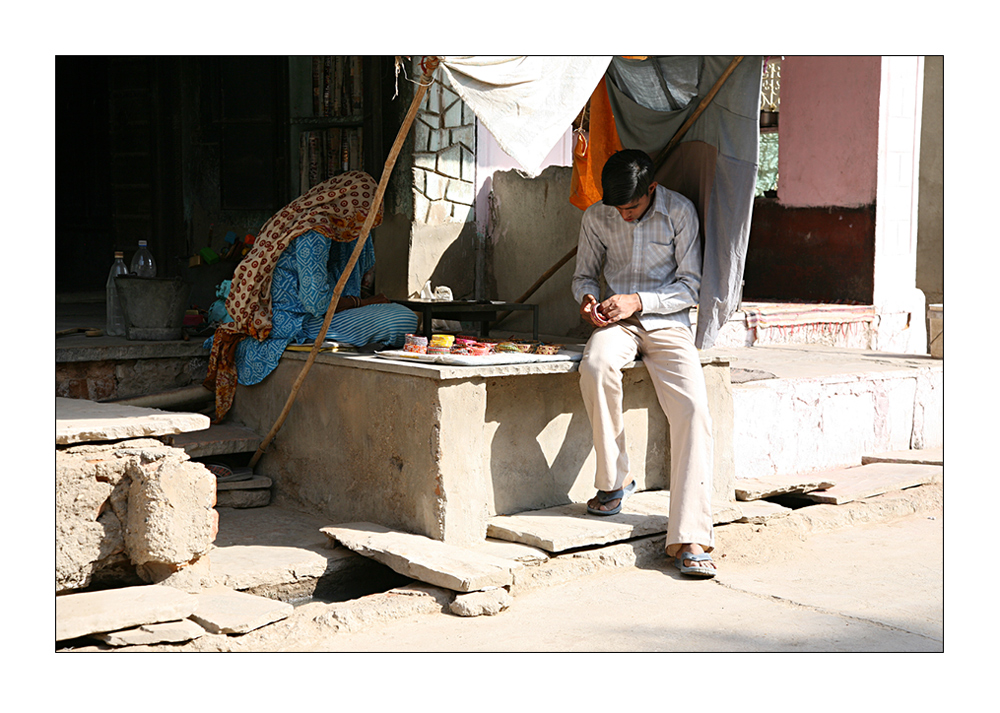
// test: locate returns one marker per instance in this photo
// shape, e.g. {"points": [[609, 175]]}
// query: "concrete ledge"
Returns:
{"points": [[79, 420], [442, 372], [116, 349]]}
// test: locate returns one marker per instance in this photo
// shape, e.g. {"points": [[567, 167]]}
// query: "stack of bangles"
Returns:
{"points": [[355, 302]]}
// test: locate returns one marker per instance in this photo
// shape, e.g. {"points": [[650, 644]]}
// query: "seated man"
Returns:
{"points": [[646, 239]]}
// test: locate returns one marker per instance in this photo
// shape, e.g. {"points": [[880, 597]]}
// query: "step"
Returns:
{"points": [[217, 439], [567, 527], [922, 456], [866, 481]]}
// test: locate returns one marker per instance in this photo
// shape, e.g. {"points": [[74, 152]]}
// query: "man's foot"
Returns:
{"points": [[609, 502], [691, 559]]}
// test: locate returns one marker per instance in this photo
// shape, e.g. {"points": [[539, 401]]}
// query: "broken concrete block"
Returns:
{"points": [[874, 479], [170, 632], [86, 613], [755, 489], [171, 514], [136, 503], [489, 603], [425, 559], [758, 512], [221, 610]]}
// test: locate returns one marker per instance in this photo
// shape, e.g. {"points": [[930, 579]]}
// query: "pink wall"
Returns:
{"points": [[829, 115]]}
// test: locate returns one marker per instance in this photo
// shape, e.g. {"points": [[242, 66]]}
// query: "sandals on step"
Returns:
{"points": [[606, 496], [704, 572]]}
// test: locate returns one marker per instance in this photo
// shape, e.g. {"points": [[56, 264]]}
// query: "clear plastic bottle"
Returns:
{"points": [[143, 264], [115, 326]]}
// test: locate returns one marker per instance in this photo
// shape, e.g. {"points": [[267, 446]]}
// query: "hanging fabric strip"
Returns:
{"points": [[601, 141]]}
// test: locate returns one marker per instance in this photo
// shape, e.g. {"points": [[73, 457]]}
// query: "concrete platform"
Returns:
{"points": [[805, 408]]}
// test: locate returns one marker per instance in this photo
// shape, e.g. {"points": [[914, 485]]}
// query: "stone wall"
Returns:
{"points": [[130, 512], [444, 158], [126, 378], [442, 246]]}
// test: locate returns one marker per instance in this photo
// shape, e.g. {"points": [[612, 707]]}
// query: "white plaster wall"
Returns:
{"points": [[792, 426]]}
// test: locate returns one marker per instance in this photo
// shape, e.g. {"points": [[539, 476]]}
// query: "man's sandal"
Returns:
{"points": [[606, 496], [693, 571]]}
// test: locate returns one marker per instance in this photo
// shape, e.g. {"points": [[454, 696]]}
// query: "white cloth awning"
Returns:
{"points": [[526, 102]]}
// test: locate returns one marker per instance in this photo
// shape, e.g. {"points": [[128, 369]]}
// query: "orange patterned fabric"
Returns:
{"points": [[590, 155], [336, 208]]}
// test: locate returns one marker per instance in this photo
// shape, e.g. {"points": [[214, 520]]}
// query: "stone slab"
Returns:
{"points": [[86, 613], [254, 483], [505, 549], [922, 456], [758, 512], [80, 421], [567, 527], [251, 566], [224, 611], [170, 632], [217, 439], [243, 498], [757, 488], [874, 479], [425, 559]]}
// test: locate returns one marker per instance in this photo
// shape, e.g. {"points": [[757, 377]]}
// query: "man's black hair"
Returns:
{"points": [[626, 177]]}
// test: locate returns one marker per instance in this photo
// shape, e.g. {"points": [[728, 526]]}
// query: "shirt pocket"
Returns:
{"points": [[660, 262]]}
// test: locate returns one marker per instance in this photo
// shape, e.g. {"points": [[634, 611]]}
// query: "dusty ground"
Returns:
{"points": [[861, 577]]}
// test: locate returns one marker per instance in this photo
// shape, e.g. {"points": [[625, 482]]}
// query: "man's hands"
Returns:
{"points": [[613, 309]]}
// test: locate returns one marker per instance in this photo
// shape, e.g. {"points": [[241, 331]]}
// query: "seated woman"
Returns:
{"points": [[282, 289]]}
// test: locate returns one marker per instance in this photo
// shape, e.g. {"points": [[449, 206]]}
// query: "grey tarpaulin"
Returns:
{"points": [[528, 102], [715, 165]]}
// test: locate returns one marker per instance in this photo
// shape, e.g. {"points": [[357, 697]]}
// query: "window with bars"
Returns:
{"points": [[770, 103]]}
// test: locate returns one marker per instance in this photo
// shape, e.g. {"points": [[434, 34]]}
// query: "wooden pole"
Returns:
{"points": [[659, 162], [430, 64]]}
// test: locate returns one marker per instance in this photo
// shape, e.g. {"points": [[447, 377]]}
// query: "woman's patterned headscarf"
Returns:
{"points": [[336, 208]]}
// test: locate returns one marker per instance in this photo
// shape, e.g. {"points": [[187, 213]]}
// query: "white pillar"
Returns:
{"points": [[898, 303]]}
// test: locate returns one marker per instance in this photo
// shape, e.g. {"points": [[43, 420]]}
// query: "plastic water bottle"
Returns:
{"points": [[143, 264], [115, 326]]}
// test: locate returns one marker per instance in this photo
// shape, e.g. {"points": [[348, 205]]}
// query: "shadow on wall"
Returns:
{"points": [[532, 226], [542, 452]]}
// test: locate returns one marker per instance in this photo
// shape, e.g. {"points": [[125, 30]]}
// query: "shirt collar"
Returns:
{"points": [[659, 203]]}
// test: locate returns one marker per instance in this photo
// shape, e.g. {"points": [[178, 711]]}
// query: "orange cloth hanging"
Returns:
{"points": [[590, 153]]}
